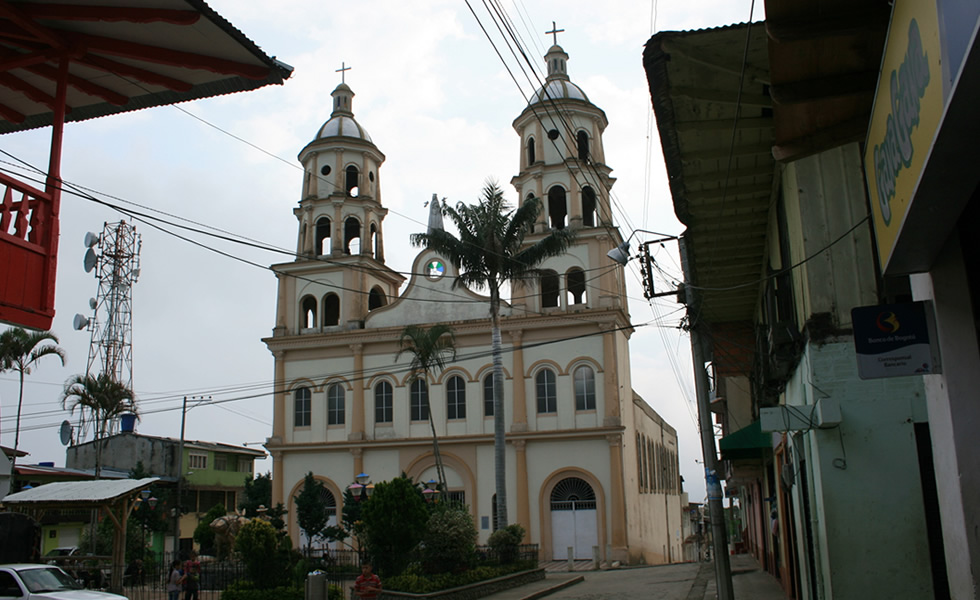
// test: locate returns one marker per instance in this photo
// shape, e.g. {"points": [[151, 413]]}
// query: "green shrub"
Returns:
{"points": [[335, 592], [449, 541], [505, 542], [394, 521], [246, 590], [414, 581]]}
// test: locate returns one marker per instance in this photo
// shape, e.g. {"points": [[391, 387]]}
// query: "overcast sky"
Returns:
{"points": [[438, 102]]}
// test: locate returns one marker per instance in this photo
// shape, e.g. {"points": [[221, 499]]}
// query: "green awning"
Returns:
{"points": [[748, 442]]}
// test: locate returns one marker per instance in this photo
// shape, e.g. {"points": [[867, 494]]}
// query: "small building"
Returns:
{"points": [[213, 473]]}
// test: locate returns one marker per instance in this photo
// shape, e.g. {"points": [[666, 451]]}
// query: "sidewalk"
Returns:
{"points": [[749, 581]]}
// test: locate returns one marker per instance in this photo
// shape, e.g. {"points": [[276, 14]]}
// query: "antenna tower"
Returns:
{"points": [[115, 259]]}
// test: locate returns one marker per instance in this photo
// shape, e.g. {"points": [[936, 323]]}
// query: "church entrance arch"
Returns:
{"points": [[573, 519]]}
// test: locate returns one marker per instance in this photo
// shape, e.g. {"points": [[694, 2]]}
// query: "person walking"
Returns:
{"points": [[173, 581], [192, 576], [367, 586]]}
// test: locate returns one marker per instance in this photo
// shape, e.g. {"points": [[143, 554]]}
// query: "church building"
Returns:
{"points": [[589, 463]]}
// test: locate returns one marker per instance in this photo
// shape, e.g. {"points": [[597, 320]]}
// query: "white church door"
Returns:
{"points": [[573, 519]]}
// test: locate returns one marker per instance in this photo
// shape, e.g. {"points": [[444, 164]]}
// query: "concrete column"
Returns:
{"points": [[523, 501], [520, 403], [358, 455], [617, 499], [357, 402], [279, 398], [611, 380], [278, 481]]}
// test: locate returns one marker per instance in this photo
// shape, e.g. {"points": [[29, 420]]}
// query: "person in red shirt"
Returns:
{"points": [[367, 586]]}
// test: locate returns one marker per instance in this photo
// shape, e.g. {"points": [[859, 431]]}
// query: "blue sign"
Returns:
{"points": [[892, 340]]}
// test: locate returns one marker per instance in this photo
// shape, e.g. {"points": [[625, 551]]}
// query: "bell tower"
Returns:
{"points": [[562, 162], [339, 274]]}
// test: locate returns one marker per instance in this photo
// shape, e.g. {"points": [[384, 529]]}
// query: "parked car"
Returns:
{"points": [[44, 582], [62, 552]]}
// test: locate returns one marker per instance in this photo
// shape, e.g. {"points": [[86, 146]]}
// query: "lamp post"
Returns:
{"points": [[431, 491], [719, 535], [362, 488]]}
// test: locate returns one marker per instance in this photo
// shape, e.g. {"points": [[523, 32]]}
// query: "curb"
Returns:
{"points": [[554, 588]]}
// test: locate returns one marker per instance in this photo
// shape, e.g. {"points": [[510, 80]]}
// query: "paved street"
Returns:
{"points": [[689, 581]]}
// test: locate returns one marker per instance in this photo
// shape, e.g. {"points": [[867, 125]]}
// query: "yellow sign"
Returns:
{"points": [[907, 111]]}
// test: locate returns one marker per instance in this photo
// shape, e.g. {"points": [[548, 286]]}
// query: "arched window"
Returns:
{"points": [[331, 310], [383, 406], [335, 404], [456, 398], [307, 319], [350, 182], [488, 395], [546, 391], [419, 401], [557, 208], [376, 298], [582, 139], [588, 207], [528, 198], [322, 245], [573, 493], [530, 151], [575, 284], [301, 407], [352, 236], [584, 378], [549, 289]]}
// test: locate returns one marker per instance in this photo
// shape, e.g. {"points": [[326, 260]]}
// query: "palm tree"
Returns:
{"points": [[489, 252], [20, 350], [103, 396], [431, 348]]}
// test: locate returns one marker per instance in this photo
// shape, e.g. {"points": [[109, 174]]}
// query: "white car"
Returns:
{"points": [[44, 582]]}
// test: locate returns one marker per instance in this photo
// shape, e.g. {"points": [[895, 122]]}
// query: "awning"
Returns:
{"points": [[746, 443]]}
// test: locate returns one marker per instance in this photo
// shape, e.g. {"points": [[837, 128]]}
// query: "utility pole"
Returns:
{"points": [[719, 534], [180, 481]]}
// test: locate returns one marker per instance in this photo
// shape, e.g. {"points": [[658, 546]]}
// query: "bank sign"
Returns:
{"points": [[907, 111], [892, 340]]}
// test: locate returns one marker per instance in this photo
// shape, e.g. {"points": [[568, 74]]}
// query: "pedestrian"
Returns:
{"points": [[192, 576], [173, 581], [367, 586]]}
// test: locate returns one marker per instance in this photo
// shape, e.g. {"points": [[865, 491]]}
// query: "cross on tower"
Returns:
{"points": [[341, 70], [554, 31]]}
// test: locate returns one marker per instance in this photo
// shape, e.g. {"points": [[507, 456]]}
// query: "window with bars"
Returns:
{"points": [[456, 398], [301, 407], [584, 378], [383, 405], [197, 461], [419, 401], [335, 404], [546, 391], [488, 395]]}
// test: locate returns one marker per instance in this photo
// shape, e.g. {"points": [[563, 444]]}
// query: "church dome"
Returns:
{"points": [[557, 86], [343, 126], [342, 122], [557, 90]]}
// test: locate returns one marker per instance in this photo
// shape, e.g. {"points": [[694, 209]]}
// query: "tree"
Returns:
{"points": [[203, 534], [449, 543], [258, 493], [490, 252], [20, 350], [105, 398], [393, 522], [431, 348], [265, 553], [311, 510]]}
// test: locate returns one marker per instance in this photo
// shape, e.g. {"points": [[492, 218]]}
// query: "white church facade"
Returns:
{"points": [[589, 464]]}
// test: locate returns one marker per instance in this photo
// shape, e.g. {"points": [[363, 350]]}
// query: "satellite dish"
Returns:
{"points": [[92, 303], [90, 260], [91, 239], [65, 433], [80, 322]]}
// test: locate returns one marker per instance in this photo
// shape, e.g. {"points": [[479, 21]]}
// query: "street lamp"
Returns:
{"points": [[431, 491], [362, 488]]}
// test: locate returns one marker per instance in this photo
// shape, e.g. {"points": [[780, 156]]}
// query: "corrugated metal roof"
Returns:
{"points": [[98, 491]]}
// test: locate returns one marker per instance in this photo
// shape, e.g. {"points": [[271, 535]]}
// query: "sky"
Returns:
{"points": [[436, 99]]}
